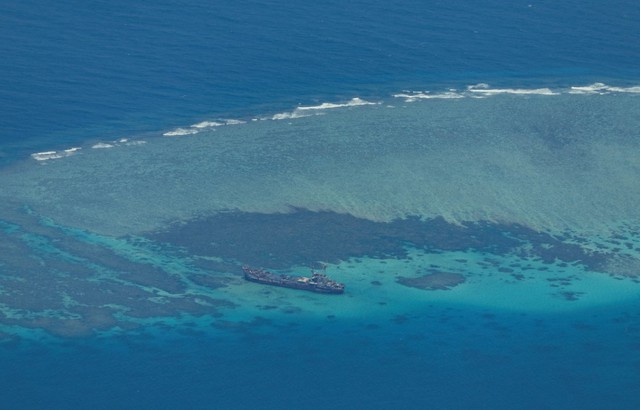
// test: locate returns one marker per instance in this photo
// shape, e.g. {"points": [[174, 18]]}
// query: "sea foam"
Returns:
{"points": [[354, 102], [484, 89], [102, 145], [180, 132], [601, 88], [320, 109], [411, 96], [531, 161], [200, 126], [213, 124], [288, 115], [47, 155], [117, 143]]}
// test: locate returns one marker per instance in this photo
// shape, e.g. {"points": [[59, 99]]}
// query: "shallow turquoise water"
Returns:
{"points": [[487, 234], [534, 214]]}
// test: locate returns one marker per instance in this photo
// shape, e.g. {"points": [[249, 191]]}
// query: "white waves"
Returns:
{"points": [[117, 143], [354, 102], [634, 89], [102, 145], [480, 90], [180, 132], [288, 115], [207, 124], [47, 155], [483, 90], [233, 122], [550, 163], [411, 96], [601, 88], [213, 124], [298, 112], [320, 109], [201, 126]]}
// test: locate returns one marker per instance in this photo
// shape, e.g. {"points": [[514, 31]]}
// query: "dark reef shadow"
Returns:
{"points": [[304, 237]]}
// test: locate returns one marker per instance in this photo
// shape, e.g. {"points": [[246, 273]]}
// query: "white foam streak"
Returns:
{"points": [[234, 122], [196, 128], [102, 145], [485, 90], [500, 165], [139, 142], [47, 155], [207, 124], [635, 89], [354, 102], [595, 88], [310, 110], [426, 95], [289, 115], [601, 88], [180, 132], [213, 124], [118, 143]]}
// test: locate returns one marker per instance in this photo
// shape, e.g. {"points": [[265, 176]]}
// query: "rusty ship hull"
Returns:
{"points": [[318, 283]]}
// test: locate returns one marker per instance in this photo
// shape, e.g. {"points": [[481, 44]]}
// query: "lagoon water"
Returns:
{"points": [[469, 170]]}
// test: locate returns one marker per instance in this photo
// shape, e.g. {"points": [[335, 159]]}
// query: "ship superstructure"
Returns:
{"points": [[318, 282]]}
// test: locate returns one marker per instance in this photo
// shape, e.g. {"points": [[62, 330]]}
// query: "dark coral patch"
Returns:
{"points": [[72, 285], [267, 307], [433, 281], [570, 296], [303, 237]]}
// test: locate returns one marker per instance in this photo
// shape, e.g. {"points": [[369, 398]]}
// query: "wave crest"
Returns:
{"points": [[47, 155]]}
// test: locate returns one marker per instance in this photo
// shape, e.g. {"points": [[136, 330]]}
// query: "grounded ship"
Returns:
{"points": [[318, 282]]}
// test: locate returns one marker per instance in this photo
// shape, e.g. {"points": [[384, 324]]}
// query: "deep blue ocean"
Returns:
{"points": [[76, 70], [160, 330]]}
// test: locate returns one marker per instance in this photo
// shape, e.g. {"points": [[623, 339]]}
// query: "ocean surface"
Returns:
{"points": [[470, 170]]}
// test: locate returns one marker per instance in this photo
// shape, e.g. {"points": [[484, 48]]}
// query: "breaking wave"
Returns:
{"points": [[532, 161], [48, 155], [354, 102], [601, 88], [482, 90], [180, 132], [117, 143]]}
